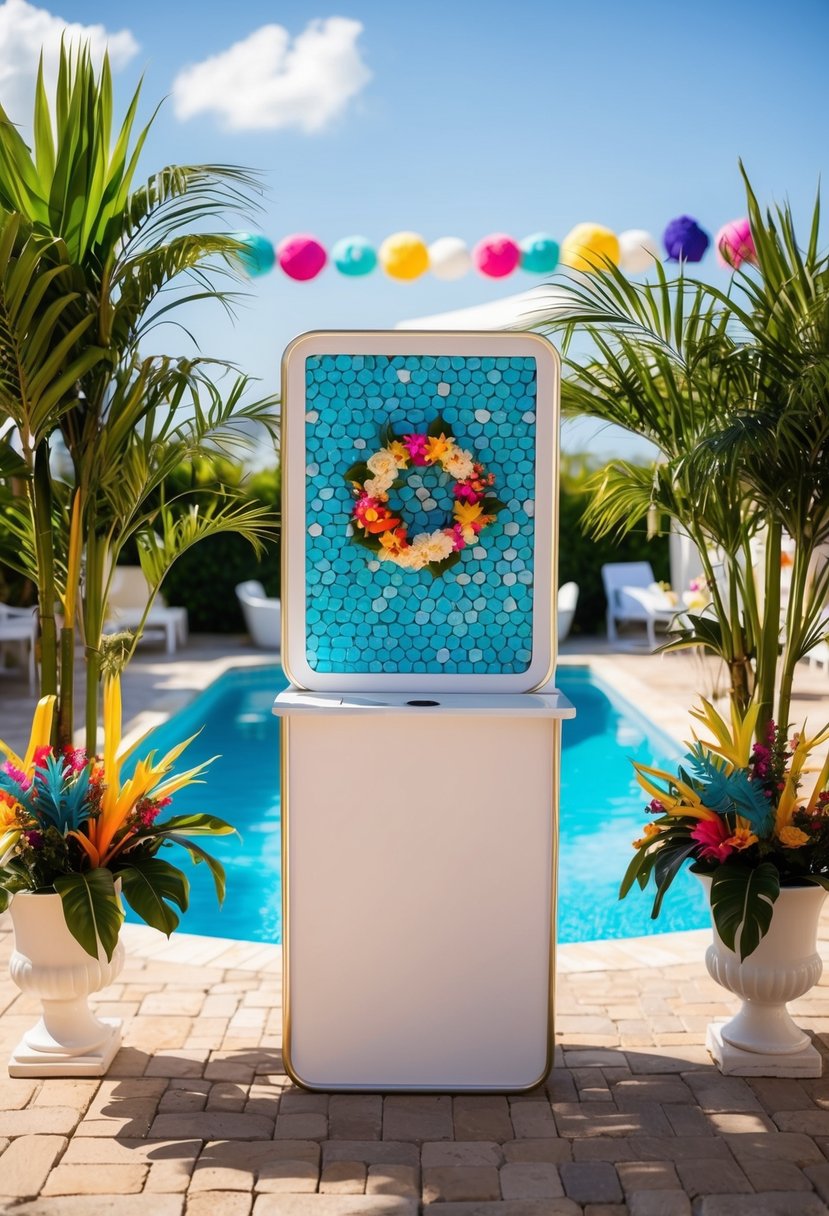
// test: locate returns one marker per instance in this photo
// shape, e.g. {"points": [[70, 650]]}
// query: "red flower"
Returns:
{"points": [[713, 834]]}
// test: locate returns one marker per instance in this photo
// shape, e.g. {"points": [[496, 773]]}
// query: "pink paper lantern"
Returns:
{"points": [[497, 255], [301, 256], [735, 244]]}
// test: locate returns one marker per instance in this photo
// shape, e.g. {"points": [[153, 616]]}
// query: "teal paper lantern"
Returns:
{"points": [[354, 256], [258, 255], [539, 253]]}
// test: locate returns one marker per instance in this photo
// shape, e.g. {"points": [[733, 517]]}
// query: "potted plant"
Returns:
{"points": [[76, 838], [759, 841]]}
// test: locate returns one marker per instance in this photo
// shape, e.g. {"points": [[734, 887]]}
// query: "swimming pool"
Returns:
{"points": [[601, 810]]}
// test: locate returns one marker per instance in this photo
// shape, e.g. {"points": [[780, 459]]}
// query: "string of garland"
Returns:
{"points": [[406, 256]]}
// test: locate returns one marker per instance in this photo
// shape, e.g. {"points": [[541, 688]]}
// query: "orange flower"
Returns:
{"points": [[437, 446], [743, 838], [394, 542]]}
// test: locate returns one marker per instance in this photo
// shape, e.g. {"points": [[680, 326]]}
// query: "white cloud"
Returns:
{"points": [[269, 82], [26, 30]]}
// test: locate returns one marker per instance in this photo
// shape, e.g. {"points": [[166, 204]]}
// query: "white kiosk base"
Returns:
{"points": [[419, 898]]}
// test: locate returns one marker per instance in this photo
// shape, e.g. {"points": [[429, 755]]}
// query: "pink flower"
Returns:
{"points": [[655, 807], [465, 493], [416, 445], [457, 537], [17, 775], [713, 835]]}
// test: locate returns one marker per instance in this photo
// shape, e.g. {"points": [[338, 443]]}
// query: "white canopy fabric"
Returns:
{"points": [[520, 311]]}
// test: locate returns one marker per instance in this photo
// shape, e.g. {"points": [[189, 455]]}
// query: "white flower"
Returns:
{"points": [[383, 465], [459, 464], [376, 487], [436, 546], [415, 556]]}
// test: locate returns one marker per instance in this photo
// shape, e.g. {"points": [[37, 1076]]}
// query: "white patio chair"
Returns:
{"points": [[18, 626], [568, 598], [128, 598], [634, 596], [262, 613]]}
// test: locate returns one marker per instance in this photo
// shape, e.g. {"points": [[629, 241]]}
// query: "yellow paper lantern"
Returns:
{"points": [[404, 255], [588, 247]]}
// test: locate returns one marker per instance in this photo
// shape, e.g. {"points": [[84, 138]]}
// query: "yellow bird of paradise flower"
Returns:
{"points": [[733, 744], [118, 801]]}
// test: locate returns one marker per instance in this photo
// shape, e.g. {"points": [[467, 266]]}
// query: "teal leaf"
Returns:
{"points": [[91, 909], [742, 903]]}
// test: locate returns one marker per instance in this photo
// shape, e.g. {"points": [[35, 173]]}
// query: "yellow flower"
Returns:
{"points": [[437, 446], [650, 830], [400, 453], [8, 816], [792, 838], [458, 463], [743, 838], [467, 512]]}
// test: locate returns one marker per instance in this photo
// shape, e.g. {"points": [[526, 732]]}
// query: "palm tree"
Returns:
{"points": [[90, 265], [732, 389]]}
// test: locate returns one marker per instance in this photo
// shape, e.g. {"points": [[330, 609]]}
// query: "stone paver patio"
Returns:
{"points": [[197, 1117]]}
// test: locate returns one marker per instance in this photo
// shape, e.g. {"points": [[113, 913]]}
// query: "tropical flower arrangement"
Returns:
{"points": [[70, 825], [379, 526], [737, 811]]}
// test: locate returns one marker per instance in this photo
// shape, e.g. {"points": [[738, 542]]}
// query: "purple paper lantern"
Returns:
{"points": [[301, 256], [685, 240]]}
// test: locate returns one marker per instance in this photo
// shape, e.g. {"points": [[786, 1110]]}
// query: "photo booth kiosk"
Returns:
{"points": [[421, 733]]}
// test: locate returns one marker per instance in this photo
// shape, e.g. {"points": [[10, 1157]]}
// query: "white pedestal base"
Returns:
{"points": [[735, 1062], [28, 1062]]}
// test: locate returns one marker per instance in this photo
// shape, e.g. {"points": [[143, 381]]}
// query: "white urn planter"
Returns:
{"points": [[761, 1040], [47, 962]]}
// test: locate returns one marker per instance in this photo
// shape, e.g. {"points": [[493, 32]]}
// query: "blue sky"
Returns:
{"points": [[482, 117]]}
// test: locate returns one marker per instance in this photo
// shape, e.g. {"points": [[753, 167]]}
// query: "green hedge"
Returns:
{"points": [[580, 560], [204, 580]]}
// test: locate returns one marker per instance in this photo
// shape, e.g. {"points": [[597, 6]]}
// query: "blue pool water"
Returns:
{"points": [[601, 810]]}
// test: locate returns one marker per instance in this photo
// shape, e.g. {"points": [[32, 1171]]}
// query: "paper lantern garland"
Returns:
{"points": [[735, 244], [590, 247], [258, 255], [496, 256], [685, 240], [404, 255], [302, 257], [539, 253], [354, 256], [587, 248], [449, 258]]}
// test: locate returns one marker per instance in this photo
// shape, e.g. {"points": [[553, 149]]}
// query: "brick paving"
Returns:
{"points": [[198, 1118]]}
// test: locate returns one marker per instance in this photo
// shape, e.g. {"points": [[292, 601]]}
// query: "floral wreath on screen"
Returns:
{"points": [[378, 525]]}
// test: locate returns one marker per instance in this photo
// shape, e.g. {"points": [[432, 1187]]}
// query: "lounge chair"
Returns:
{"points": [[262, 613], [633, 595], [128, 596], [18, 626], [568, 598]]}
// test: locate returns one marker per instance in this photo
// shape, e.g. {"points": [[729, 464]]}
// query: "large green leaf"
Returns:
{"points": [[150, 885], [197, 824], [742, 904], [198, 854], [92, 909]]}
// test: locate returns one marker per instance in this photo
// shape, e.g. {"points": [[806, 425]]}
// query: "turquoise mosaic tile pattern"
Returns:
{"points": [[368, 616]]}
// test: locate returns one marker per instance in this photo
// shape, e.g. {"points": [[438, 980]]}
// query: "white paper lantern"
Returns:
{"points": [[638, 250], [449, 258]]}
